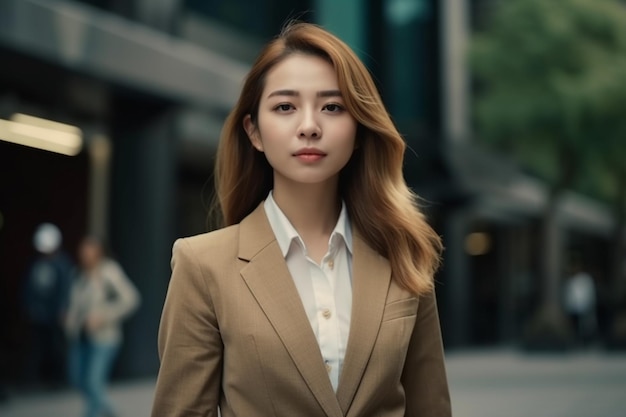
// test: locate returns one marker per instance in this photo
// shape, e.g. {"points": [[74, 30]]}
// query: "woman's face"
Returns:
{"points": [[303, 127], [89, 254]]}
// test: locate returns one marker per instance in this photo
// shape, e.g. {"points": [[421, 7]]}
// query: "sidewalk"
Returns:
{"points": [[511, 384], [132, 399], [482, 384]]}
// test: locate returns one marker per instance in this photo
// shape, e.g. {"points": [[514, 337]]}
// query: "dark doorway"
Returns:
{"points": [[35, 186]]}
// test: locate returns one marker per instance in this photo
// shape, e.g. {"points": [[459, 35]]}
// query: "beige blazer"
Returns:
{"points": [[234, 335]]}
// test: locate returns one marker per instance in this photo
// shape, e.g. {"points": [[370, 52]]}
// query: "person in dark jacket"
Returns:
{"points": [[45, 298]]}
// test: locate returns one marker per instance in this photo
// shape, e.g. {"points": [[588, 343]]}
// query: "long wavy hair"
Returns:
{"points": [[381, 206]]}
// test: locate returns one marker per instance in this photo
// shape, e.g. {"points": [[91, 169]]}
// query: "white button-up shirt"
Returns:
{"points": [[326, 288]]}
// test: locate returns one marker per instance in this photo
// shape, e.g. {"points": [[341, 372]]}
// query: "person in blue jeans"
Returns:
{"points": [[101, 297]]}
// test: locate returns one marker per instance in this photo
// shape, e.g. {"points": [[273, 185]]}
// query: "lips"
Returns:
{"points": [[309, 155], [309, 151]]}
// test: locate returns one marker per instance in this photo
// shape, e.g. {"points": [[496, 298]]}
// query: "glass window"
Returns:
{"points": [[262, 18]]}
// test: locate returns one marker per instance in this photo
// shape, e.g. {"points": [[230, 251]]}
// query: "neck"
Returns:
{"points": [[313, 210]]}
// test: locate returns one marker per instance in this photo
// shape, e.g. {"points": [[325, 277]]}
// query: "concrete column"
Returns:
{"points": [[143, 221], [511, 260], [455, 34], [99, 150], [456, 282]]}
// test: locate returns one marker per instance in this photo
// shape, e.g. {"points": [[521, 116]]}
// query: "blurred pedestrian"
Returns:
{"points": [[45, 298], [102, 296], [317, 298], [580, 304]]}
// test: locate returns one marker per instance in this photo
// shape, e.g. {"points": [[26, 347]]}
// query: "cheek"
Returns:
{"points": [[349, 132], [271, 137]]}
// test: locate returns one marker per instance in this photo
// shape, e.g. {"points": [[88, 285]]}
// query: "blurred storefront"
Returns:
{"points": [[493, 279], [148, 106], [148, 83]]}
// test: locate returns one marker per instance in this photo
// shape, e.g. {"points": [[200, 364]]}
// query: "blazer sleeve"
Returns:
{"points": [[424, 375], [190, 345]]}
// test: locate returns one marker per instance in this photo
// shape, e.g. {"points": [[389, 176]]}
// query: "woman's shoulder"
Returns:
{"points": [[222, 239], [213, 250], [112, 270]]}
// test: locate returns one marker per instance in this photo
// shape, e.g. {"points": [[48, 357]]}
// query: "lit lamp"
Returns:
{"points": [[42, 134], [477, 244]]}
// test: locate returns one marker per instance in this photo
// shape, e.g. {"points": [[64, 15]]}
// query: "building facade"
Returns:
{"points": [[149, 83]]}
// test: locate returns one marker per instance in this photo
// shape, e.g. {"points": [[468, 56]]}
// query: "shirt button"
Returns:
{"points": [[326, 313], [331, 264], [328, 367]]}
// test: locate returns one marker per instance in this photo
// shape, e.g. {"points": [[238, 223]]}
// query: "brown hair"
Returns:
{"points": [[381, 206]]}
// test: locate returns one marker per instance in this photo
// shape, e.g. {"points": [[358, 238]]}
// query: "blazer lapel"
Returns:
{"points": [[371, 276], [269, 280]]}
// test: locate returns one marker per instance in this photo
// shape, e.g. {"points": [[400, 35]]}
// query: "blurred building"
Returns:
{"points": [[148, 84]]}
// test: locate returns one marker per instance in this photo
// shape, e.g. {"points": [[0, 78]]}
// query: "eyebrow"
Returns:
{"points": [[294, 93]]}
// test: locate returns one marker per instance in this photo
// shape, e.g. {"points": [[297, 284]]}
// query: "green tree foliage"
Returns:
{"points": [[551, 88]]}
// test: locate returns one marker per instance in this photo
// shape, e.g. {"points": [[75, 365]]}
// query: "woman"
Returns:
{"points": [[100, 299], [317, 298]]}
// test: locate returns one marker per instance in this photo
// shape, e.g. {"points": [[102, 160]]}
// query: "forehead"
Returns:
{"points": [[89, 244], [301, 72]]}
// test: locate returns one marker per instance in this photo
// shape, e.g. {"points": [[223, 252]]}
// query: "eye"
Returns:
{"points": [[283, 107], [333, 108]]}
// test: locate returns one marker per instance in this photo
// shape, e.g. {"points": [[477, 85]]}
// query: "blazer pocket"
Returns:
{"points": [[400, 308]]}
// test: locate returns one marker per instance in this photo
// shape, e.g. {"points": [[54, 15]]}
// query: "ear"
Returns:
{"points": [[253, 133]]}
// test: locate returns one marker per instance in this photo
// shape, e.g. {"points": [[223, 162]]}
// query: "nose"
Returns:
{"points": [[309, 127]]}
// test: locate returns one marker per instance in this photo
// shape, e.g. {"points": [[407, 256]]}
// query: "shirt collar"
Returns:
{"points": [[285, 232]]}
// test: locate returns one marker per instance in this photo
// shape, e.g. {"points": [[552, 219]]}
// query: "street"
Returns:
{"points": [[507, 384], [488, 383]]}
